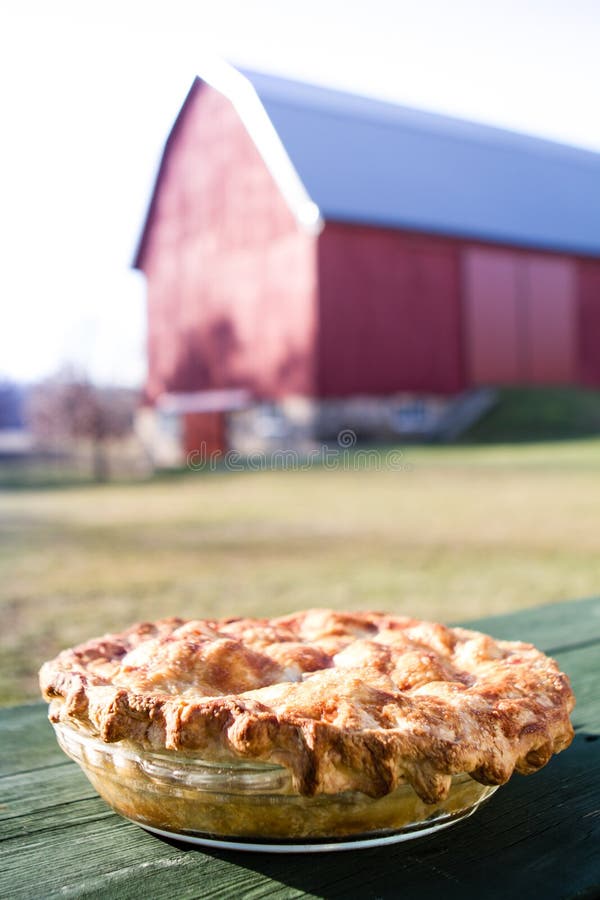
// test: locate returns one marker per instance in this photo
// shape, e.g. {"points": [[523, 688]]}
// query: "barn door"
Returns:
{"points": [[491, 310], [204, 434], [550, 289], [520, 317]]}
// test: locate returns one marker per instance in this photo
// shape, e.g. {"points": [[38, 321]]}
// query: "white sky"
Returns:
{"points": [[88, 92]]}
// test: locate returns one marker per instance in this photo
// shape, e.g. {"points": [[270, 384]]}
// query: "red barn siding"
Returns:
{"points": [[389, 312], [520, 317], [589, 322], [239, 296], [231, 292], [492, 316], [549, 299]]}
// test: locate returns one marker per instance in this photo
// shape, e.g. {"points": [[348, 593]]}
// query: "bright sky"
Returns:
{"points": [[89, 91]]}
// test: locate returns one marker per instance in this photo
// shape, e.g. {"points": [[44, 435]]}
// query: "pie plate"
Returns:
{"points": [[241, 805]]}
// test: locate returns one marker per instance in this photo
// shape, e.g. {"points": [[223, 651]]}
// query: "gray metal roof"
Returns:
{"points": [[367, 161]]}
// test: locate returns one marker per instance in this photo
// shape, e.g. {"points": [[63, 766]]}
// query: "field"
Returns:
{"points": [[448, 533]]}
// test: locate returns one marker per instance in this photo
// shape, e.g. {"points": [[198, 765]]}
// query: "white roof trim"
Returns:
{"points": [[219, 400], [238, 89]]}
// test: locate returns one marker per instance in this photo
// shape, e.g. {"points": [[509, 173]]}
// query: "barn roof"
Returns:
{"points": [[338, 156], [364, 160]]}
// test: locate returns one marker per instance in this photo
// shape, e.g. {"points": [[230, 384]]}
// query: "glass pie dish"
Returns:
{"points": [[253, 806]]}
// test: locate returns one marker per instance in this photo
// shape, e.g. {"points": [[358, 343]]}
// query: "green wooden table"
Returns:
{"points": [[537, 837]]}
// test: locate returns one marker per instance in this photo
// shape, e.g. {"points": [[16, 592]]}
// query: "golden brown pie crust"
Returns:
{"points": [[347, 701]]}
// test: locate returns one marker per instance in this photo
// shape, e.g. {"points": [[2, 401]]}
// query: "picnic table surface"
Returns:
{"points": [[538, 836]]}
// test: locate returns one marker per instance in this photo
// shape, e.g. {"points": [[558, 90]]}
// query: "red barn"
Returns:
{"points": [[307, 243]]}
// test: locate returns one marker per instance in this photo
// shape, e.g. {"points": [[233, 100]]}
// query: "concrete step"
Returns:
{"points": [[463, 412]]}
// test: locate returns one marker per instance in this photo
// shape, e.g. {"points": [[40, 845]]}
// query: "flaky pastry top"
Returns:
{"points": [[347, 701]]}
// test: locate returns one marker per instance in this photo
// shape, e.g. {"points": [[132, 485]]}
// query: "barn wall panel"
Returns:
{"points": [[388, 312], [493, 324], [521, 323], [588, 272], [231, 278], [548, 296]]}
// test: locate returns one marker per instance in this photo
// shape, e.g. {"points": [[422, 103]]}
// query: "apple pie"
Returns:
{"points": [[346, 705]]}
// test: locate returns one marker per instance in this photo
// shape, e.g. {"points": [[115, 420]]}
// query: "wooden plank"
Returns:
{"points": [[31, 800], [511, 843], [27, 739], [551, 628], [112, 856], [537, 834], [582, 665]]}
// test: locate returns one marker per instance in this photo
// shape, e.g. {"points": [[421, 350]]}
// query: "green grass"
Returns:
{"points": [[452, 533], [21, 475], [538, 414]]}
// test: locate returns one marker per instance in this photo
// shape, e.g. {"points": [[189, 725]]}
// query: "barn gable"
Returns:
{"points": [[239, 92], [227, 266]]}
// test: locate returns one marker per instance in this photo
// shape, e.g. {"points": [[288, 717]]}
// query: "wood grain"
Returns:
{"points": [[538, 836]]}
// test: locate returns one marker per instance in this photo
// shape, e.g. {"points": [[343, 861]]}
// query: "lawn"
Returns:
{"points": [[450, 533]]}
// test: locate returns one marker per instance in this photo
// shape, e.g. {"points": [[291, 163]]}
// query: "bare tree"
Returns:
{"points": [[69, 407]]}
